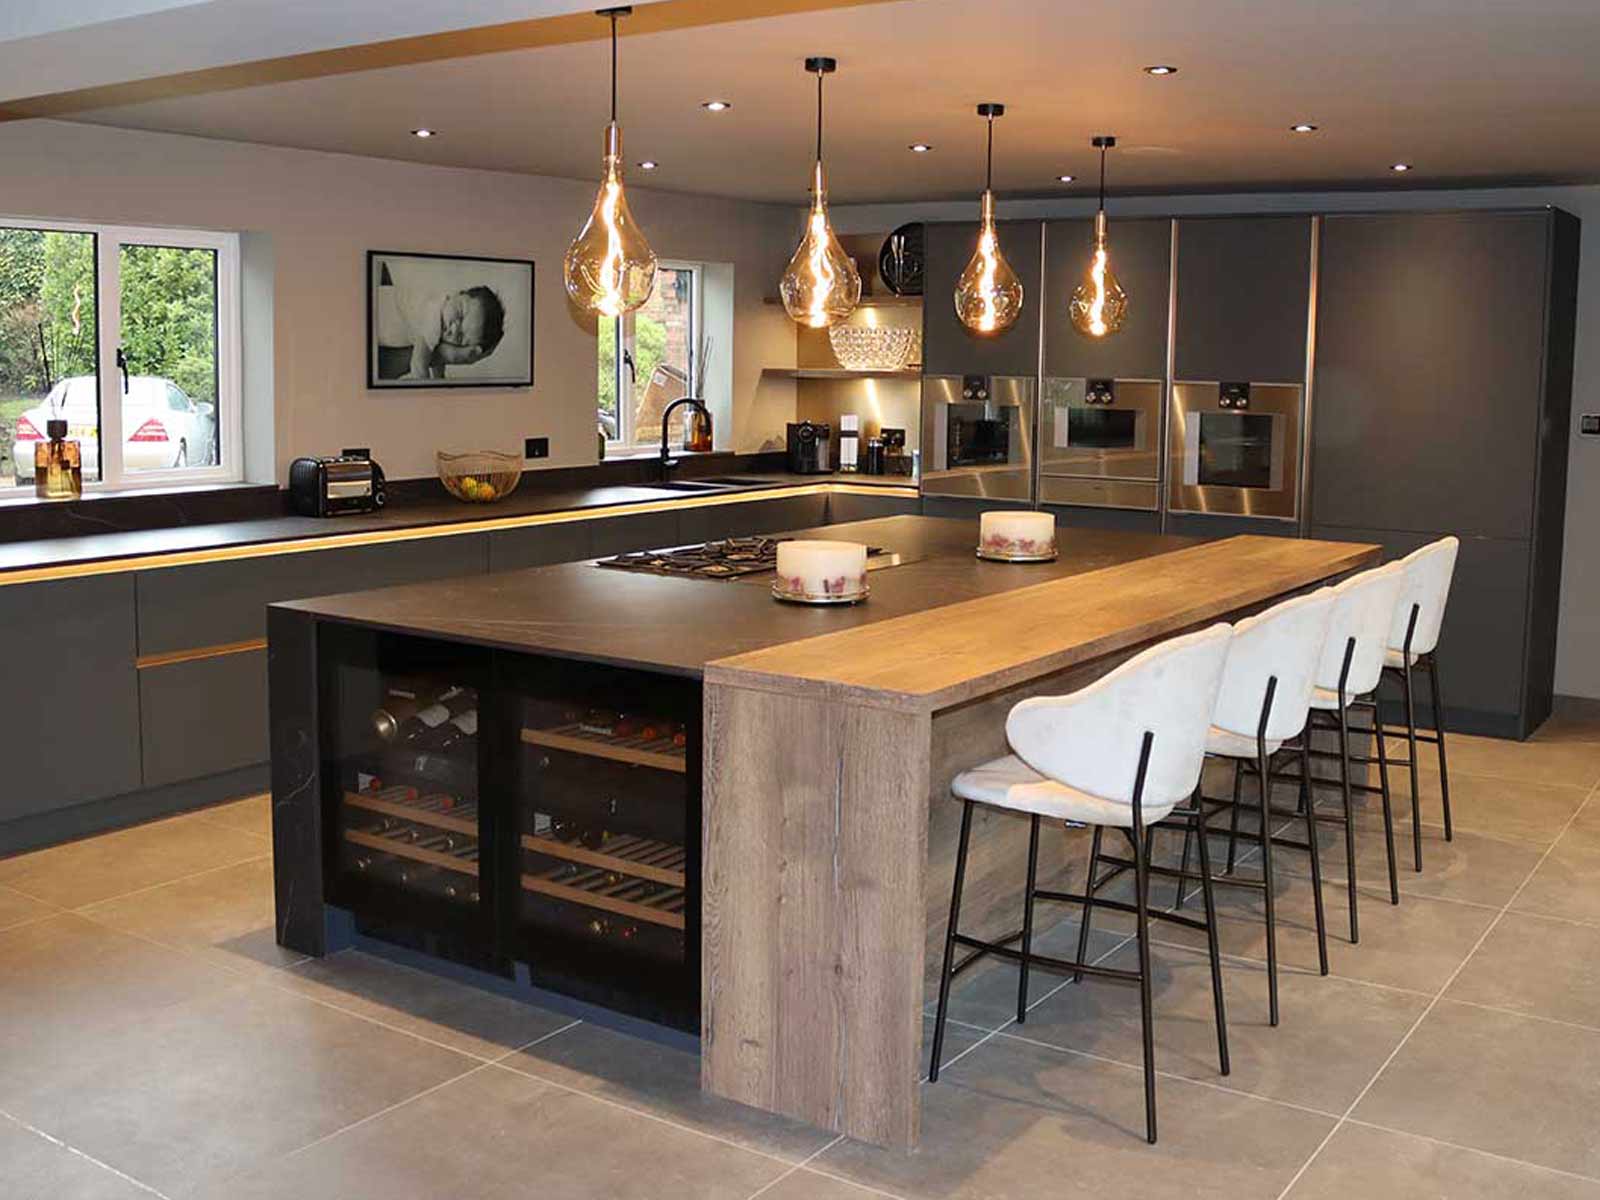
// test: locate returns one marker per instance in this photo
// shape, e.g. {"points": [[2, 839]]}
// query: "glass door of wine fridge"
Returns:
{"points": [[404, 821], [607, 818]]}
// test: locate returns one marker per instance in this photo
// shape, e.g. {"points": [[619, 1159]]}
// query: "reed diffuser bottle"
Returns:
{"points": [[58, 464]]}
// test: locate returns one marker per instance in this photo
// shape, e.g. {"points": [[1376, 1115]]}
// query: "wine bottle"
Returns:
{"points": [[414, 728], [457, 732]]}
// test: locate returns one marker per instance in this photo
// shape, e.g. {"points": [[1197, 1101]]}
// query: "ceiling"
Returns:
{"points": [[1471, 91]]}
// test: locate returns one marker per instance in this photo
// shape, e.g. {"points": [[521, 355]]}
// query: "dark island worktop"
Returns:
{"points": [[584, 611]]}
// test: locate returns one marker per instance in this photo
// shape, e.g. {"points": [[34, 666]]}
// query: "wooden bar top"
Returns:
{"points": [[943, 656]]}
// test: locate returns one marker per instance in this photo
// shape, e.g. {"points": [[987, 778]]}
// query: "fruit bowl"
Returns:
{"points": [[479, 476], [872, 348]]}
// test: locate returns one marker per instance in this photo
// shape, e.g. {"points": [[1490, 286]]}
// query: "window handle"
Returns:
{"points": [[627, 361], [122, 365]]}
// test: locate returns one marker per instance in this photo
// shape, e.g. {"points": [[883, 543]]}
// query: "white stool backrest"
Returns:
{"points": [[1363, 608], [1092, 738], [1427, 586], [1285, 643]]}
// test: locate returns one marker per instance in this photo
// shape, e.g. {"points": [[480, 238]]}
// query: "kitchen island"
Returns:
{"points": [[678, 799]]}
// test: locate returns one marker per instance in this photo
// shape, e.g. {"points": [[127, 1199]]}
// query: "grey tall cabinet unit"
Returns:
{"points": [[1441, 404]]}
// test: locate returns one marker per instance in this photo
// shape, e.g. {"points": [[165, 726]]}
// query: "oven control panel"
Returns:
{"points": [[1234, 395]]}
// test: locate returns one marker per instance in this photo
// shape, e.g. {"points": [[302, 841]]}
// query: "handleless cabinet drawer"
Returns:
{"points": [[203, 717], [846, 506], [216, 604]]}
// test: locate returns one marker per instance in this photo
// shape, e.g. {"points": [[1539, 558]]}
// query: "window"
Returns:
{"points": [[649, 357], [131, 337]]}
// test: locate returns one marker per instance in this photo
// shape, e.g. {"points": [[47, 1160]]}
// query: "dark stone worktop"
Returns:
{"points": [[528, 500], [579, 610]]}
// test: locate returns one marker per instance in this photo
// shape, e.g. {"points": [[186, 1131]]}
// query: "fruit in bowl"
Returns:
{"points": [[479, 477]]}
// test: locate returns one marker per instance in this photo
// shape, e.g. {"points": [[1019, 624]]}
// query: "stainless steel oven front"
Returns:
{"points": [[1235, 449], [1100, 443], [977, 436]]}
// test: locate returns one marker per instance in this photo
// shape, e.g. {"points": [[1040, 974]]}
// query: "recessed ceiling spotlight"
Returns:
{"points": [[1302, 127], [1161, 69], [649, 164], [1400, 167], [716, 106], [919, 147], [422, 133], [1065, 178]]}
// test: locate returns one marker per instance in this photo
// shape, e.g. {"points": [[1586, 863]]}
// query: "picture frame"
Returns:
{"points": [[448, 321]]}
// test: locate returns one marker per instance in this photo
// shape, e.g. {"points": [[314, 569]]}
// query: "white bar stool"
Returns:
{"points": [[1263, 704], [1122, 752], [1350, 670], [1413, 643]]}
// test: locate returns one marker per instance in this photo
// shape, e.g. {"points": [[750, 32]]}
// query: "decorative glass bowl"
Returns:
{"points": [[479, 476], [873, 348]]}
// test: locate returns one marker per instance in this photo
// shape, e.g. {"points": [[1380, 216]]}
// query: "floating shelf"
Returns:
{"points": [[659, 753], [626, 856], [842, 373], [889, 301]]}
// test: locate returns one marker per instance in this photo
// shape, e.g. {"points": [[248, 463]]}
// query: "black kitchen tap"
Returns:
{"points": [[667, 461]]}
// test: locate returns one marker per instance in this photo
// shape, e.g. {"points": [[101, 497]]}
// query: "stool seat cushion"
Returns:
{"points": [[1011, 783], [1227, 744], [1397, 659]]}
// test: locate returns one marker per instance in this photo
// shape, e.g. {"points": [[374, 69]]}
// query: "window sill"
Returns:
{"points": [[26, 500], [637, 453]]}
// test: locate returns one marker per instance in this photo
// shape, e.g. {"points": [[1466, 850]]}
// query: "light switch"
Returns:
{"points": [[1589, 424]]}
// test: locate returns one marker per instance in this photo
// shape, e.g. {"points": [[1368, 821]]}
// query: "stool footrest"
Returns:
{"points": [[1122, 905], [1040, 960]]}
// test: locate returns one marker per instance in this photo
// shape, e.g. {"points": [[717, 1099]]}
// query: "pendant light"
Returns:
{"points": [[988, 294], [610, 268], [821, 286], [1099, 306]]}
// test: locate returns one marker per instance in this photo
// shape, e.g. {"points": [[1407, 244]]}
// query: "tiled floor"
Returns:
{"points": [[154, 1041]]}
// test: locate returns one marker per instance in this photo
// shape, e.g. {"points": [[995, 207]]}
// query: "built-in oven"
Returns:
{"points": [[977, 436], [1235, 449], [1100, 443]]}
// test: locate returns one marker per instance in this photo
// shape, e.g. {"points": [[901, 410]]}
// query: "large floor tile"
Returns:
{"points": [[806, 1184], [15, 908], [458, 1015], [1538, 966], [199, 1090], [1333, 1036], [1013, 1120], [253, 814], [225, 915], [1576, 763], [1575, 719], [1471, 867], [1362, 1162], [1416, 945], [1503, 808], [657, 1079], [128, 860], [1510, 1085], [64, 978], [32, 1167], [1567, 883], [500, 1135]]}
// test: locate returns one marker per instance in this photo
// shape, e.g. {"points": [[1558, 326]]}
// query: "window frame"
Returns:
{"points": [[109, 239], [627, 439]]}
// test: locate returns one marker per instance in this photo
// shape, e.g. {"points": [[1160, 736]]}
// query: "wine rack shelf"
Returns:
{"points": [[641, 858], [622, 897], [659, 752], [435, 858], [410, 812]]}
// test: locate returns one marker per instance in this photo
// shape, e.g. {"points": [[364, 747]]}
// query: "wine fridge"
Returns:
{"points": [[533, 817]]}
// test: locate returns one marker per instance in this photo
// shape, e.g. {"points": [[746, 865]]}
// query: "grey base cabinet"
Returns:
{"points": [[203, 717]]}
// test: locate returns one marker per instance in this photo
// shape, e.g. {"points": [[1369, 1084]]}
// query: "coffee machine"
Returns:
{"points": [[810, 448]]}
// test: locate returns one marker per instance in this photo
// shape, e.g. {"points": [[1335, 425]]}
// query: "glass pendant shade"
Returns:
{"points": [[1099, 305], [610, 268], [821, 286], [988, 294]]}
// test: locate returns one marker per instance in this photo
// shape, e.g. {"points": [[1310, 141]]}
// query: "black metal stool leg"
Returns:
{"points": [[1088, 901], [1141, 848], [1266, 874], [1349, 816], [1212, 947], [1380, 735], [1316, 856], [1027, 920], [1188, 840], [1438, 732], [1411, 744], [950, 939]]}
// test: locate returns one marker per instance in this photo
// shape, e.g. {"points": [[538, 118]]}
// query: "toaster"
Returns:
{"points": [[343, 483]]}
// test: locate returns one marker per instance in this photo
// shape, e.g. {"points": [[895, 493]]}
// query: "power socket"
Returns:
{"points": [[536, 447]]}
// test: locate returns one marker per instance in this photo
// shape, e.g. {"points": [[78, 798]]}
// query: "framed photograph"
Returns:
{"points": [[448, 321]]}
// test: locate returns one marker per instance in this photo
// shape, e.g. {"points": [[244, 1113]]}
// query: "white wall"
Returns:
{"points": [[1578, 639], [319, 213]]}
